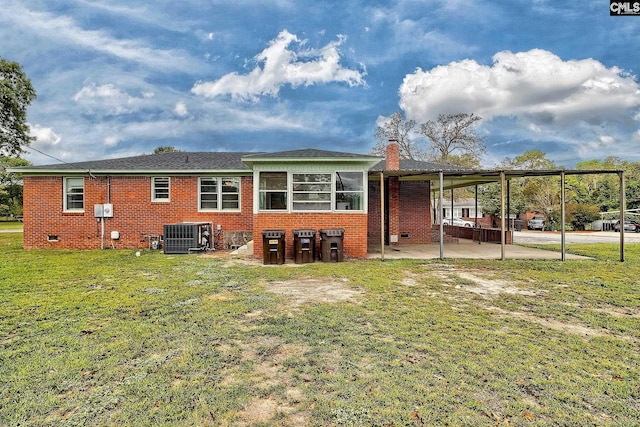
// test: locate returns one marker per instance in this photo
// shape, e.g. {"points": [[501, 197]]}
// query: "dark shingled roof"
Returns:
{"points": [[309, 153], [415, 165], [170, 162], [186, 162]]}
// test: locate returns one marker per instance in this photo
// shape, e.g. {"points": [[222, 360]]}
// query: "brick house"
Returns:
{"points": [[239, 193]]}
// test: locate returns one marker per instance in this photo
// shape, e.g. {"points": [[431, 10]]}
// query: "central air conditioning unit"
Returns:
{"points": [[186, 237]]}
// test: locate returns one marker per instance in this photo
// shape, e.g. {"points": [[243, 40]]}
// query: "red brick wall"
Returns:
{"points": [[134, 213], [354, 224], [413, 212]]}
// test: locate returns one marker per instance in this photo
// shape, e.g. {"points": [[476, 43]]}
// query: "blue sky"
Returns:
{"points": [[121, 78]]}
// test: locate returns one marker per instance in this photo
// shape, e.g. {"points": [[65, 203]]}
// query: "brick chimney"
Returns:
{"points": [[393, 156]]}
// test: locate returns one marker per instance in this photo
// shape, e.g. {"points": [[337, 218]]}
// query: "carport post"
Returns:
{"points": [[509, 206], [476, 215], [502, 212], [562, 210], [623, 207], [441, 218], [382, 230]]}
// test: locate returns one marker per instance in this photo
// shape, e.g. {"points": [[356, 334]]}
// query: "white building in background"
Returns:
{"points": [[462, 208]]}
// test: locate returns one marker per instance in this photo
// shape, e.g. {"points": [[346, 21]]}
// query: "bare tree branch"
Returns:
{"points": [[453, 134], [402, 131]]}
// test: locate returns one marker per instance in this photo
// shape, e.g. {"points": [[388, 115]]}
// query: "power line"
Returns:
{"points": [[60, 160], [49, 155]]}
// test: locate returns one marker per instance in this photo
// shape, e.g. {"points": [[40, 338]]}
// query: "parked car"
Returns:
{"points": [[629, 225], [536, 223], [457, 221]]}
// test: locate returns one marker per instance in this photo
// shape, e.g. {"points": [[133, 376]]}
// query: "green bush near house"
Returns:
{"points": [[111, 338]]}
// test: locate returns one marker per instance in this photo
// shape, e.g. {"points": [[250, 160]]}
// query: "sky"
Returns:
{"points": [[123, 77]]}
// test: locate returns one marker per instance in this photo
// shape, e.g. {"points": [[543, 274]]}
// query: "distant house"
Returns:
{"points": [[239, 193], [462, 208]]}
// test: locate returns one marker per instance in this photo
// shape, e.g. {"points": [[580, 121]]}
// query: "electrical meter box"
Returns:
{"points": [[103, 210]]}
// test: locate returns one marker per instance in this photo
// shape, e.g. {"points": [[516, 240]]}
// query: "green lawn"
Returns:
{"points": [[10, 225], [95, 338]]}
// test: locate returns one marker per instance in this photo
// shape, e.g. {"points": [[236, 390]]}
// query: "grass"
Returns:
{"points": [[108, 338], [10, 225]]}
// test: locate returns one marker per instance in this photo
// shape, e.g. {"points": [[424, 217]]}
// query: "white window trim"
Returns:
{"points": [[258, 192], [219, 180], [153, 189], [290, 209], [363, 192], [65, 192]]}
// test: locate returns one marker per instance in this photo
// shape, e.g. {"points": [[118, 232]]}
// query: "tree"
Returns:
{"points": [[11, 186], [165, 149], [525, 194], [540, 194], [579, 215], [529, 160], [403, 131], [16, 93], [453, 134]]}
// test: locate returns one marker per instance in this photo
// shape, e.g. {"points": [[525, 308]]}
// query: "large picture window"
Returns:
{"points": [[74, 194], [349, 191], [311, 191], [273, 191], [160, 189], [217, 193]]}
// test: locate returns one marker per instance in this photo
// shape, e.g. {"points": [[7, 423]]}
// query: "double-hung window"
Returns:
{"points": [[208, 193], [230, 193], [311, 191], [273, 191], [160, 189], [74, 194], [218, 193], [349, 191]]}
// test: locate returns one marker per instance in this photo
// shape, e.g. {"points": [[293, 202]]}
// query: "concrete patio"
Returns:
{"points": [[465, 249]]}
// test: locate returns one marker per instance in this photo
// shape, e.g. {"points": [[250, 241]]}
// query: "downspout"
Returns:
{"points": [[102, 218], [108, 189]]}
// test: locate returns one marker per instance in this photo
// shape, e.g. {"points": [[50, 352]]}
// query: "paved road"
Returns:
{"points": [[541, 237]]}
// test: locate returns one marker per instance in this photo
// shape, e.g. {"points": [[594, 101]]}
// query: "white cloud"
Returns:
{"points": [[44, 136], [111, 141], [536, 86], [278, 66], [110, 100], [181, 109], [64, 30], [409, 33]]}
